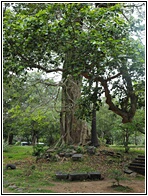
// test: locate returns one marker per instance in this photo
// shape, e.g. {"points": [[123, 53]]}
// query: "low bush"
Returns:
{"points": [[38, 150]]}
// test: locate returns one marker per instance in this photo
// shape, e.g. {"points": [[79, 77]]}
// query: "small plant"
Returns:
{"points": [[38, 150], [117, 176], [79, 149]]}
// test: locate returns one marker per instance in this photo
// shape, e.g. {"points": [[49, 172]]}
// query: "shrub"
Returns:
{"points": [[38, 150], [117, 175]]}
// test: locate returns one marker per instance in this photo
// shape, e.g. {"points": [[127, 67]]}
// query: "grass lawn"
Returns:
{"points": [[32, 177]]}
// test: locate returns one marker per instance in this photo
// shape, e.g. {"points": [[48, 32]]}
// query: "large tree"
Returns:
{"points": [[81, 41]]}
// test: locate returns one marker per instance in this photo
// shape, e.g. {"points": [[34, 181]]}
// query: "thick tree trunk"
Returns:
{"points": [[126, 141], [73, 130], [10, 138], [34, 137], [94, 136]]}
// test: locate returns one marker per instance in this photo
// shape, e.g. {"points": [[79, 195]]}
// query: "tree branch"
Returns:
{"points": [[112, 106], [47, 70], [113, 77], [33, 65]]}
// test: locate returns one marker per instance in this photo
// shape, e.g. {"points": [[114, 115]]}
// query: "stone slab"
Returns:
{"points": [[78, 176], [94, 175], [77, 157], [61, 176]]}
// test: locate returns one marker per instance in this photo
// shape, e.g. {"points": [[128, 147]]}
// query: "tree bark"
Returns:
{"points": [[126, 141], [73, 130], [94, 137], [34, 137], [10, 138]]}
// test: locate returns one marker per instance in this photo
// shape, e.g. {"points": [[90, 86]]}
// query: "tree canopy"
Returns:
{"points": [[96, 42]]}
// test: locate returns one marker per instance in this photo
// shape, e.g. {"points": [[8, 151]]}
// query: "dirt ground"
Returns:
{"points": [[101, 186]]}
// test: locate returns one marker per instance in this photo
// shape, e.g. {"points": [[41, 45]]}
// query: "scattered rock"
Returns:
{"points": [[20, 190], [13, 186], [68, 154], [76, 157], [128, 171], [11, 166], [133, 174]]}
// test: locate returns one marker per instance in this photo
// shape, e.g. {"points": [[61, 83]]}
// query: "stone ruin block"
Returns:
{"points": [[61, 176], [128, 171], [94, 175], [78, 176], [77, 157], [68, 154]]}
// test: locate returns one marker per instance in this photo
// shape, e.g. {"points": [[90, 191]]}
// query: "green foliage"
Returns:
{"points": [[80, 149], [117, 175], [25, 109], [53, 37], [109, 40], [38, 150]]}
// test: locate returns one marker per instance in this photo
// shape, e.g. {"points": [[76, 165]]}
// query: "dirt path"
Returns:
{"points": [[103, 186]]}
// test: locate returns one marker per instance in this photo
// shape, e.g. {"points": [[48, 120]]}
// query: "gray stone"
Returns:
{"points": [[61, 176], [68, 154], [78, 176], [11, 166], [128, 171], [76, 157], [94, 175], [133, 174], [13, 186], [20, 190]]}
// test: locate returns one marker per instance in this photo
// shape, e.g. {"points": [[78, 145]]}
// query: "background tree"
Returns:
{"points": [[112, 131], [29, 110]]}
